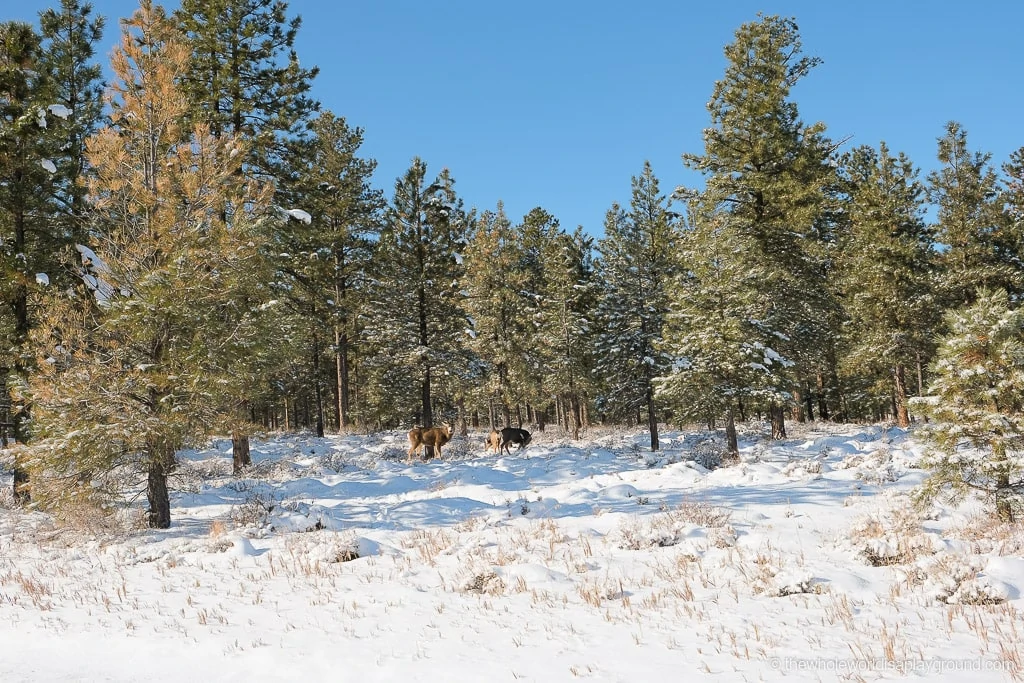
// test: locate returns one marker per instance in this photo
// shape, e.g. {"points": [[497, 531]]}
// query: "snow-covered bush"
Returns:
{"points": [[893, 536], [710, 452]]}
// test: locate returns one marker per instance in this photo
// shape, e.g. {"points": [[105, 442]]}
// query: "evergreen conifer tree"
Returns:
{"points": [[417, 325], [886, 271], [567, 330], [976, 406], [29, 244], [980, 250], [330, 256], [494, 281], [147, 363], [771, 173], [636, 264]]}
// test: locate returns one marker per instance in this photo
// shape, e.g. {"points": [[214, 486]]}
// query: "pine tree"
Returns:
{"points": [[70, 36], [28, 244], [567, 329], [711, 330], [418, 323], [244, 76], [329, 258], [636, 264], [494, 281], [244, 79], [976, 406], [771, 173], [148, 363], [886, 274], [536, 236], [980, 249]]}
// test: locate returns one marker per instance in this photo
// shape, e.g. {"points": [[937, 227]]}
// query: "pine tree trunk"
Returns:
{"points": [[809, 403], [822, 398], [240, 456], [920, 376], [778, 414], [730, 433], [1004, 497], [317, 390], [463, 427], [161, 464], [341, 363], [798, 407], [22, 486], [652, 418], [428, 414], [900, 389]]}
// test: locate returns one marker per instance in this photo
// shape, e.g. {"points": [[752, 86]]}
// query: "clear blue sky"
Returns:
{"points": [[558, 103]]}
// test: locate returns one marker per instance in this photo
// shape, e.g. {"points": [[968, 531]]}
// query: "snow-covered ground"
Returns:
{"points": [[596, 560]]}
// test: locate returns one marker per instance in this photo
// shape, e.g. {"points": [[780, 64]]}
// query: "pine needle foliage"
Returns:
{"points": [[976, 406], [144, 359]]}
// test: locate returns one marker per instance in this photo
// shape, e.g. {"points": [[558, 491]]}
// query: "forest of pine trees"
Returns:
{"points": [[201, 251]]}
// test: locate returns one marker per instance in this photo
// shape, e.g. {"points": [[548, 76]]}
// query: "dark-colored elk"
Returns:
{"points": [[434, 437], [512, 435]]}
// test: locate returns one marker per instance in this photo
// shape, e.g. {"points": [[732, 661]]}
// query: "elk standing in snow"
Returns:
{"points": [[434, 437], [493, 442], [511, 435]]}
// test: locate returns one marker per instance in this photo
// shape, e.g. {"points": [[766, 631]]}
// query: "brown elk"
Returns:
{"points": [[493, 442], [434, 437]]}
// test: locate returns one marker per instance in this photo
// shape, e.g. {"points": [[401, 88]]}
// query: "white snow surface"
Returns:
{"points": [[334, 559], [300, 215], [59, 110]]}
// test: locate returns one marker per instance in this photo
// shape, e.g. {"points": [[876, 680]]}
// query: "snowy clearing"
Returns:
{"points": [[596, 560]]}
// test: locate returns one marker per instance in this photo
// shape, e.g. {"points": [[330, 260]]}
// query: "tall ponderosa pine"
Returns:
{"points": [[536, 236], [244, 79], [144, 369], [567, 330], [494, 282], [70, 34], [981, 249], [975, 406], [331, 255], [244, 76], [29, 244], [711, 331], [770, 172], [636, 265], [886, 272], [418, 322]]}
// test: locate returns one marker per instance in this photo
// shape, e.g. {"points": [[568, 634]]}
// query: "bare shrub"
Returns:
{"points": [[892, 536], [191, 475], [669, 527], [989, 535], [486, 583], [458, 448], [7, 501], [392, 453], [254, 510], [710, 452], [703, 514]]}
